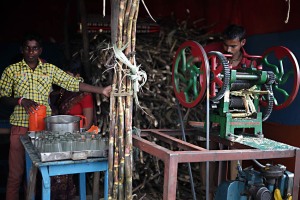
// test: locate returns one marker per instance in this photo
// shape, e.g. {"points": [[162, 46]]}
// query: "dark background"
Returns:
{"points": [[263, 20], [49, 16]]}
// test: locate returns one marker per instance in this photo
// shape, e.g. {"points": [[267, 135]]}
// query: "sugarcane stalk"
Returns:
{"points": [[129, 104], [116, 160], [120, 23], [111, 140], [128, 148], [129, 27], [134, 21], [113, 113], [128, 143], [127, 12], [121, 103], [121, 148]]}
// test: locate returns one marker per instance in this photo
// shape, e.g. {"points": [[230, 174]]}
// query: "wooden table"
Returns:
{"points": [[54, 168]]}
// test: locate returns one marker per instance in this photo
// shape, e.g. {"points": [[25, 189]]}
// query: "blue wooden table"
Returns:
{"points": [[54, 168]]}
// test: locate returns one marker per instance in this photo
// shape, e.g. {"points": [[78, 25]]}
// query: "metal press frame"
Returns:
{"points": [[190, 153]]}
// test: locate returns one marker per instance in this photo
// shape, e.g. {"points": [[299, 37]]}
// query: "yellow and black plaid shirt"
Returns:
{"points": [[19, 80]]}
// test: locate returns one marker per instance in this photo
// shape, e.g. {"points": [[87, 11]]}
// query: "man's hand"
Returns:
{"points": [[29, 105], [83, 87], [106, 91]]}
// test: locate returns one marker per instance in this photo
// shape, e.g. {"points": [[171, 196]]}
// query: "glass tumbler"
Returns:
{"points": [[47, 146], [80, 145], [63, 142], [94, 144], [56, 146], [70, 145]]}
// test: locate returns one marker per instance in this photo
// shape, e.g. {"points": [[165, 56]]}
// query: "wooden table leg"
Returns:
{"points": [[31, 183], [96, 185]]}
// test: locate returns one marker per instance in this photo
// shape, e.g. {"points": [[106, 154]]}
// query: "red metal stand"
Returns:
{"points": [[193, 153]]}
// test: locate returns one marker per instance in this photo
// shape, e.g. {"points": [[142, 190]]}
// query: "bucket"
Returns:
{"points": [[62, 123], [36, 119]]}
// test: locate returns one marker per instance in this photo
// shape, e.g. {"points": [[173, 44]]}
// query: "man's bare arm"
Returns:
{"points": [[83, 87]]}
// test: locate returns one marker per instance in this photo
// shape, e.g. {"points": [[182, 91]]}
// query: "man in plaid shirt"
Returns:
{"points": [[26, 85]]}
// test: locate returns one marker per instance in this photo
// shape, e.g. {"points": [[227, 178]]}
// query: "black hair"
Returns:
{"points": [[234, 31], [30, 37]]}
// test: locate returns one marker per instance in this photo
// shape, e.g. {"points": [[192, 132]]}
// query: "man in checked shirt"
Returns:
{"points": [[26, 85]]}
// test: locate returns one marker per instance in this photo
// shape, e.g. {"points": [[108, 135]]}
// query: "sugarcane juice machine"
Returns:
{"points": [[241, 98]]}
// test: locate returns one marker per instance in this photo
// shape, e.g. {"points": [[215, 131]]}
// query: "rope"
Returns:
{"points": [[104, 5], [138, 76], [288, 13]]}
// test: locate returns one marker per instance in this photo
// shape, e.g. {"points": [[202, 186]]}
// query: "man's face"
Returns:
{"points": [[31, 51], [233, 46]]}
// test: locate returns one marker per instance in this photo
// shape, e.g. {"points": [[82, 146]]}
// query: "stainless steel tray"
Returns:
{"points": [[73, 155], [66, 155]]}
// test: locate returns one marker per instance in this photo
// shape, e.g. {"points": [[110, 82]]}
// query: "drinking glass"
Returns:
{"points": [[47, 146], [56, 146], [94, 144], [63, 142], [80, 145]]}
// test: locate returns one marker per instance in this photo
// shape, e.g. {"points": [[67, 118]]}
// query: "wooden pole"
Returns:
{"points": [[66, 32], [85, 39]]}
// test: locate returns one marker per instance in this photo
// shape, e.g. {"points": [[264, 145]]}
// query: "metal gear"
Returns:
{"points": [[270, 98], [220, 75]]}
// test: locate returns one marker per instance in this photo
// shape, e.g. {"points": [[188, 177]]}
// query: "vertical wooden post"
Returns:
{"points": [[85, 39], [66, 32], [114, 4], [96, 185]]}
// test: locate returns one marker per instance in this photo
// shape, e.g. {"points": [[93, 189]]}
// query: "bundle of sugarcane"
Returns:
{"points": [[125, 85]]}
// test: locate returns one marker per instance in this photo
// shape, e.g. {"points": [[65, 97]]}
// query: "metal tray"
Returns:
{"points": [[66, 155], [73, 155]]}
